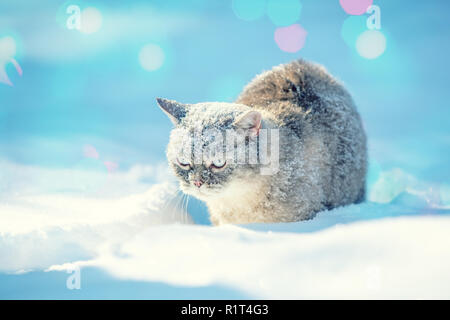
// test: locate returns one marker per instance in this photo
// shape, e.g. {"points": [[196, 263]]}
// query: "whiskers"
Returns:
{"points": [[176, 206], [186, 217]]}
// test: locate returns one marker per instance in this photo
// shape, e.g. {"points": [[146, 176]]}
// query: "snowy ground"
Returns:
{"points": [[394, 246]]}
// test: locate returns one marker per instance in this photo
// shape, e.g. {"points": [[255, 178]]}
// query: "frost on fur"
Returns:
{"points": [[320, 149]]}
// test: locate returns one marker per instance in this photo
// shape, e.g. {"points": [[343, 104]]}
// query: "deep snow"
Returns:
{"points": [[397, 249]]}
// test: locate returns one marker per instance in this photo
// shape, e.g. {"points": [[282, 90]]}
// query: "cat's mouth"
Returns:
{"points": [[202, 191]]}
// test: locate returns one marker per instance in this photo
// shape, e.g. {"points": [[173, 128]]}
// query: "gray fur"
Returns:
{"points": [[323, 157]]}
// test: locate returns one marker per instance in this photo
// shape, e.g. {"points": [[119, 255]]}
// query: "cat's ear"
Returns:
{"points": [[251, 121], [174, 110]]}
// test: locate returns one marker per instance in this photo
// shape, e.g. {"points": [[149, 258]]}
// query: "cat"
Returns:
{"points": [[320, 148]]}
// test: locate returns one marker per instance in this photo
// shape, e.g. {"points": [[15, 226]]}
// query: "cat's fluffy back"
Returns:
{"points": [[300, 82], [305, 98]]}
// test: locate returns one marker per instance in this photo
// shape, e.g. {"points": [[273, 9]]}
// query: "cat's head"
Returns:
{"points": [[209, 146]]}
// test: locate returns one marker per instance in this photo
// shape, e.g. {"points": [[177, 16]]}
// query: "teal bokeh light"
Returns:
{"points": [[284, 12], [352, 27], [249, 9]]}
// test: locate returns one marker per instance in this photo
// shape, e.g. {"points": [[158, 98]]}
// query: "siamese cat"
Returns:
{"points": [[291, 145]]}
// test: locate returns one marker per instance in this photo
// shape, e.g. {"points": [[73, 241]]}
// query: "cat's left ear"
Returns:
{"points": [[174, 110], [251, 121]]}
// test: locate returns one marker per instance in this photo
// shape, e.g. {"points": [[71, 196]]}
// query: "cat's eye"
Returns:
{"points": [[218, 164], [183, 163]]}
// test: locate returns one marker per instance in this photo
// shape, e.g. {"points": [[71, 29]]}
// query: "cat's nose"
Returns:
{"points": [[198, 183]]}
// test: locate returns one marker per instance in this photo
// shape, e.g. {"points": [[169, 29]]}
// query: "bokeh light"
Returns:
{"points": [[249, 9], [355, 7], [111, 166], [91, 20], [352, 27], [371, 44], [284, 12], [151, 57], [290, 39], [90, 152], [4, 76], [7, 48]]}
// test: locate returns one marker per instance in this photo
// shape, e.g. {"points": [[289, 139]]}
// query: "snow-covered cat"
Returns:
{"points": [[320, 148]]}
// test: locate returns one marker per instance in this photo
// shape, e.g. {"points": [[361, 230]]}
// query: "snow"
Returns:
{"points": [[395, 246], [363, 260]]}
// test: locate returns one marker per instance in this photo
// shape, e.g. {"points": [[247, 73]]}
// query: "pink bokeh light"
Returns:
{"points": [[291, 38], [111, 166], [17, 66], [90, 152], [4, 76], [355, 7]]}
